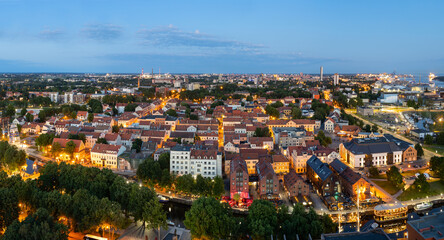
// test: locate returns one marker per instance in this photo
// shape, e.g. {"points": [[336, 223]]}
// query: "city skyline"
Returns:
{"points": [[247, 37]]}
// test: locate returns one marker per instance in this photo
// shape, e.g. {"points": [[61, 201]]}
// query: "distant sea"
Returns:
{"points": [[425, 79]]}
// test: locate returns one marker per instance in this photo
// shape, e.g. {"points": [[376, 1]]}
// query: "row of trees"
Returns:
{"points": [[209, 219], [157, 173], [84, 199]]}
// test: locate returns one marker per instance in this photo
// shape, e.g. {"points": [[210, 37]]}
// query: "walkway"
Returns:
{"points": [[427, 153]]}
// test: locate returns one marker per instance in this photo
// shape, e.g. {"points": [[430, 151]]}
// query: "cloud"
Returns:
{"points": [[221, 63], [48, 34], [102, 32], [172, 36]]}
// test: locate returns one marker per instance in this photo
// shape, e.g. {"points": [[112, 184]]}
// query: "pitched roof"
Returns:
{"points": [[106, 148], [320, 168]]}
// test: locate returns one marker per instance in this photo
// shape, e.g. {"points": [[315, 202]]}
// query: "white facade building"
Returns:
{"points": [[186, 160]]}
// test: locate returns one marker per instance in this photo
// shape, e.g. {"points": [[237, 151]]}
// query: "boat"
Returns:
{"points": [[163, 199], [391, 217], [423, 206], [170, 223]]}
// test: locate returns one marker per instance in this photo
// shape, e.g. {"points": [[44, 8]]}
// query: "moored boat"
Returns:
{"points": [[423, 206]]}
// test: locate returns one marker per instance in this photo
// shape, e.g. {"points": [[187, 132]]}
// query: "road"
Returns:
{"points": [[427, 153]]}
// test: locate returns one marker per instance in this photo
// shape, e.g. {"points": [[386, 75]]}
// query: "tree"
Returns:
{"points": [[171, 112], [9, 207], [115, 111], [262, 132], [131, 107], [29, 117], [273, 112], [194, 117], [56, 149], [368, 128], [218, 187], [373, 171], [137, 144], [419, 150], [164, 160], [395, 177], [437, 166], [323, 140], [374, 128], [440, 138], [421, 184], [44, 140], [249, 98], [90, 117], [95, 105], [154, 215], [209, 219], [296, 113], [23, 112], [428, 139], [40, 225], [115, 129], [70, 148], [149, 170], [102, 141], [262, 219], [9, 112]]}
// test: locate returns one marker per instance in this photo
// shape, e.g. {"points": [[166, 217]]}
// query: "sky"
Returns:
{"points": [[241, 36]]}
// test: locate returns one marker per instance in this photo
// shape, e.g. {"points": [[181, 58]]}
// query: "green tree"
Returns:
{"points": [[373, 171], [102, 141], [394, 176], [154, 215], [23, 112], [44, 140], [137, 144], [375, 128], [262, 132], [40, 225], [9, 207], [218, 187], [56, 149], [90, 117], [368, 128], [296, 113], [262, 219], [131, 107], [10, 111], [171, 112], [421, 184], [440, 138], [428, 139], [437, 166], [249, 98], [164, 160], [95, 105], [115, 129], [273, 112], [209, 219], [29, 117], [323, 140], [419, 150], [70, 148]]}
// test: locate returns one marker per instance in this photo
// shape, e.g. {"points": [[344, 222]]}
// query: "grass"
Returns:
{"points": [[387, 186], [436, 187], [380, 176], [413, 172], [435, 148]]}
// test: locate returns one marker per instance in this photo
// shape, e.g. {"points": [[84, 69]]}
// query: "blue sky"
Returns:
{"points": [[227, 36]]}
